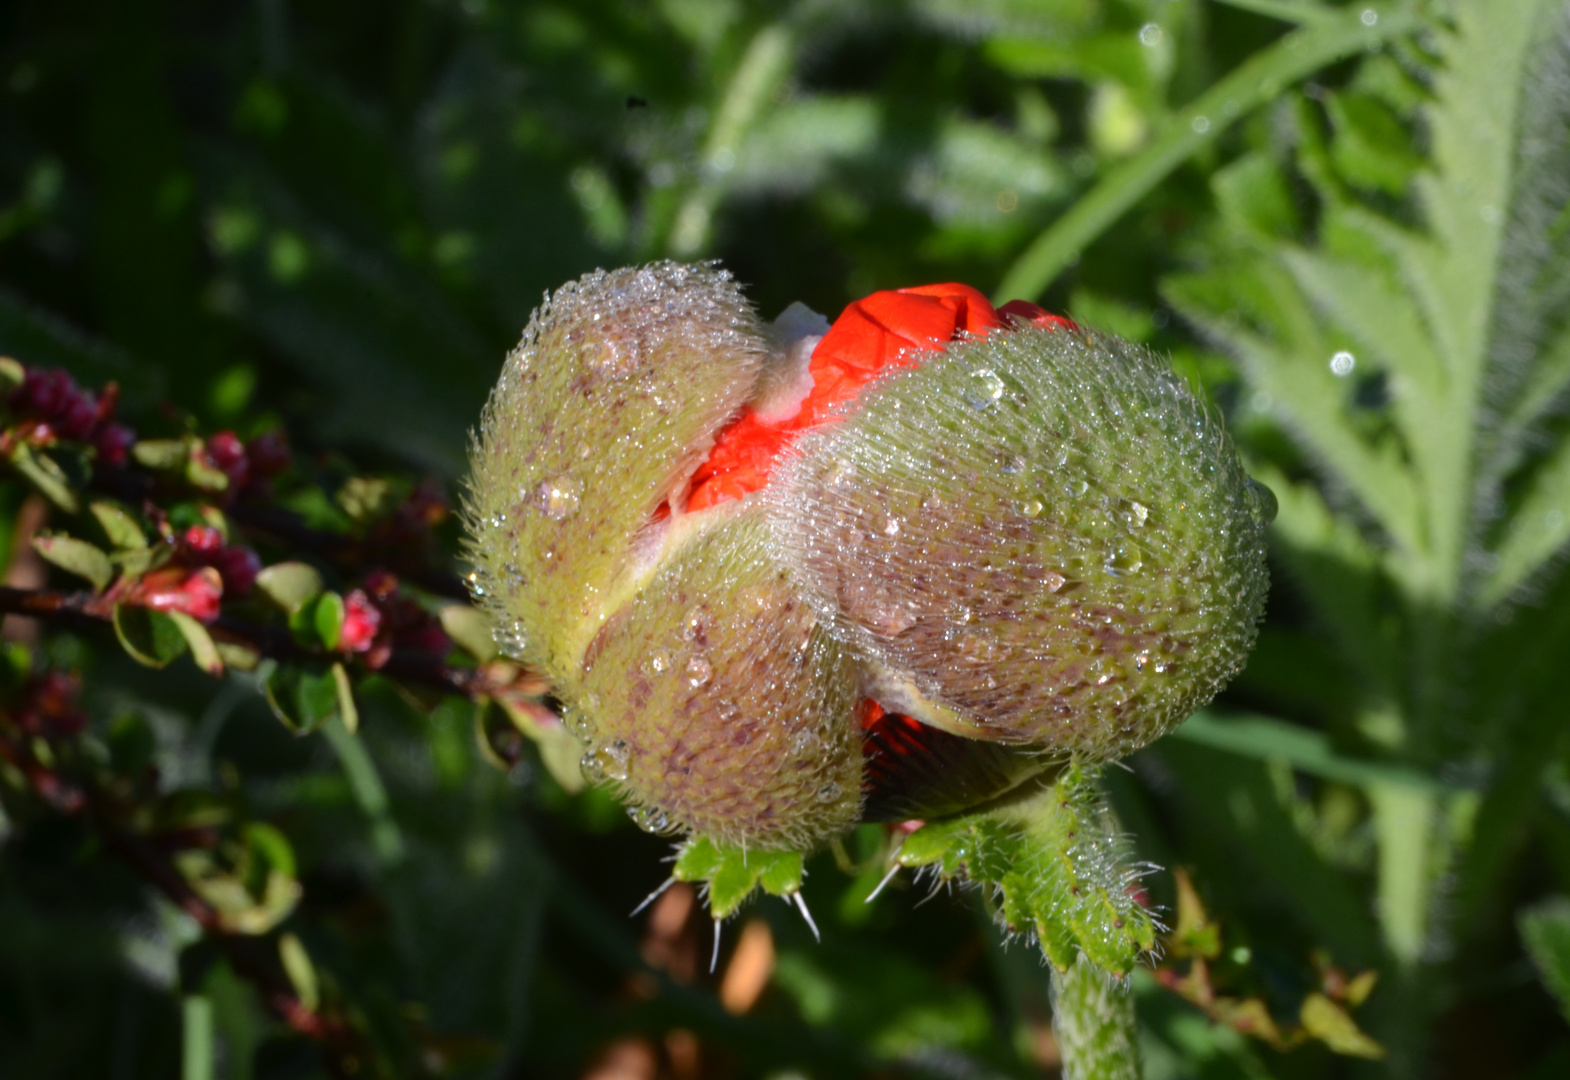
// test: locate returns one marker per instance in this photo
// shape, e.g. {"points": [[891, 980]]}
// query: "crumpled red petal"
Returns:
{"points": [[888, 329]]}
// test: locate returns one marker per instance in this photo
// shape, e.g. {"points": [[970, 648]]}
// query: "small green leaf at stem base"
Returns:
{"points": [[733, 875], [151, 638]]}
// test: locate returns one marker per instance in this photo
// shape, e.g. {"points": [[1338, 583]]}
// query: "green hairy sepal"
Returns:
{"points": [[610, 400], [1040, 537], [717, 703]]}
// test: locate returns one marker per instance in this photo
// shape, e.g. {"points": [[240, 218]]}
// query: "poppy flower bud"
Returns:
{"points": [[788, 578], [1039, 537]]}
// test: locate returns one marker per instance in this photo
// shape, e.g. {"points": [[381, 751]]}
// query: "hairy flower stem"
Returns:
{"points": [[1093, 1019]]}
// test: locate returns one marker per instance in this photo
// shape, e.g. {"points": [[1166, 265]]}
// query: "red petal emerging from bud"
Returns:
{"points": [[889, 329]]}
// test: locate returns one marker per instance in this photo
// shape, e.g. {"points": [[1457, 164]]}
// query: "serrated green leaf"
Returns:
{"points": [[780, 872], [730, 885], [1370, 147], [1537, 531], [700, 858], [1258, 79], [119, 526], [1545, 930], [733, 874], [76, 557], [151, 638], [290, 585], [200, 642]]}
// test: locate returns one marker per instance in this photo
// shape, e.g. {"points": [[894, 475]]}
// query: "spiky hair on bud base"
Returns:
{"points": [[1061, 873]]}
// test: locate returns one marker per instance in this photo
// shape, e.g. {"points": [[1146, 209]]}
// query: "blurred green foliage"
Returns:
{"points": [[1347, 222]]}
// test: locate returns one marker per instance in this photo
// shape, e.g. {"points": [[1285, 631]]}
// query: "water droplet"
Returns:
{"points": [[1342, 363], [842, 472], [805, 743], [559, 498], [1031, 508], [699, 672], [1369, 17], [1141, 659], [1125, 559], [651, 819], [1262, 505], [1054, 581], [890, 619], [890, 526], [1014, 465], [986, 390], [614, 359], [829, 792], [659, 663], [1200, 124], [1137, 513], [591, 768], [695, 626], [1150, 35], [1075, 488], [579, 724], [614, 759]]}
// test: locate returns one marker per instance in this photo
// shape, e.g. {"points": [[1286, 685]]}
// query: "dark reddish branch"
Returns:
{"points": [[89, 609], [354, 554]]}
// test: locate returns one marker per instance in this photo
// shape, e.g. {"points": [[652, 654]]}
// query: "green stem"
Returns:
{"points": [[1254, 82], [1404, 823], [1093, 1019], [196, 1037], [369, 792]]}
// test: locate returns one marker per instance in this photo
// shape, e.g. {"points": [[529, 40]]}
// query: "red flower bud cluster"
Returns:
{"points": [[194, 592], [237, 566], [224, 452], [377, 620], [268, 455], [49, 707], [54, 407], [200, 571]]}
